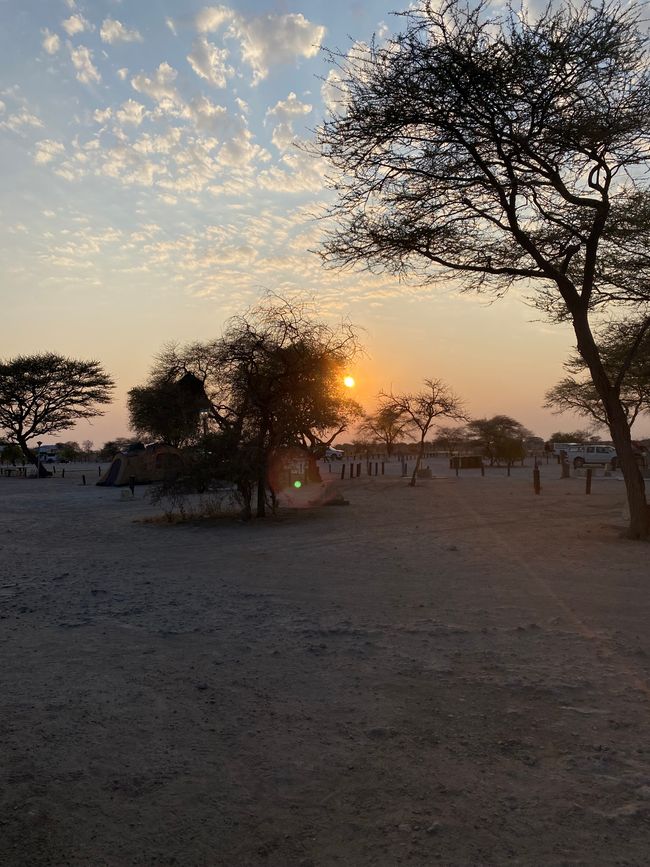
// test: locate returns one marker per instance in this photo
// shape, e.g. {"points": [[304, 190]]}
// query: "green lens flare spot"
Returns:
{"points": [[297, 484]]}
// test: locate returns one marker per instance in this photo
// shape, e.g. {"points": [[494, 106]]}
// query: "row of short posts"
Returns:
{"points": [[355, 469]]}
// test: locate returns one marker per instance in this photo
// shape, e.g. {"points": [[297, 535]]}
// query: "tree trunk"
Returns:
{"points": [[27, 452], [261, 492], [418, 461], [618, 427]]}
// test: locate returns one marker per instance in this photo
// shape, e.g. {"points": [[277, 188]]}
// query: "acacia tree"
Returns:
{"points": [[385, 426], [46, 393], [169, 407], [420, 409], [450, 438], [500, 438], [505, 150], [273, 381], [575, 436], [577, 393]]}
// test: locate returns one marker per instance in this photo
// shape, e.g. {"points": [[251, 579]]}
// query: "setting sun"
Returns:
{"points": [[348, 381]]}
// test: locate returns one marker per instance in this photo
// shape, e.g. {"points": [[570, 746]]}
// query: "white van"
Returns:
{"points": [[591, 453], [332, 454]]}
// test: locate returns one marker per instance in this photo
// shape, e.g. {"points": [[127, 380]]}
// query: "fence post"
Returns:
{"points": [[83, 480], [382, 468], [342, 472], [588, 484], [536, 481]]}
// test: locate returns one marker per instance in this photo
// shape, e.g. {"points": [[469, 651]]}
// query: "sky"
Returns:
{"points": [[153, 185]]}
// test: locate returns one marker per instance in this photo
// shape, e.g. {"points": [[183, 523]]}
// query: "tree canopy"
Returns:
{"points": [[500, 438], [504, 150], [625, 351], [272, 382], [419, 411], [46, 393]]}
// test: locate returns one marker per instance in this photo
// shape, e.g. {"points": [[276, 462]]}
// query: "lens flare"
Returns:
{"points": [[297, 484], [348, 381]]}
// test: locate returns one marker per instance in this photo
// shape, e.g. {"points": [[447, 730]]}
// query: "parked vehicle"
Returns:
{"points": [[332, 454], [592, 453]]}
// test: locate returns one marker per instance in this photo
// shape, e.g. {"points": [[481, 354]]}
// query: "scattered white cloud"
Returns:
{"points": [[123, 73], [19, 120], [114, 31], [286, 111], [171, 26], [130, 112], [212, 17], [210, 62], [159, 144], [160, 87], [51, 42], [298, 172], [82, 60], [272, 39], [75, 24], [47, 150], [333, 91], [264, 40], [3, 107], [206, 116], [102, 115]]}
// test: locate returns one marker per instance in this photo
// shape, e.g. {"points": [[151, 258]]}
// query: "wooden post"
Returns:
{"points": [[132, 484], [508, 469], [342, 472], [382, 468], [63, 473], [536, 482], [588, 485], [376, 468], [358, 469], [83, 480]]}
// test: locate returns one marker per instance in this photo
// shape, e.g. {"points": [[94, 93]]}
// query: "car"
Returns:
{"points": [[332, 454], [592, 453]]}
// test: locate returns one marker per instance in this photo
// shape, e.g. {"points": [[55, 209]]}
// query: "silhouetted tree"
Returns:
{"points": [[274, 381], [384, 426], [576, 436], [420, 410], [112, 447], [46, 393], [500, 438], [169, 407], [625, 351], [504, 150], [450, 438]]}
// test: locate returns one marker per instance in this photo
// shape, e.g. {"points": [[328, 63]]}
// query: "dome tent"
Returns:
{"points": [[145, 464]]}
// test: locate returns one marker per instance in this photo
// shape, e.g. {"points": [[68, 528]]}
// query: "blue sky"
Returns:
{"points": [[153, 185]]}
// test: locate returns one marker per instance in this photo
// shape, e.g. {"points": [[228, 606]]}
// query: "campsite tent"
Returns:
{"points": [[145, 464]]}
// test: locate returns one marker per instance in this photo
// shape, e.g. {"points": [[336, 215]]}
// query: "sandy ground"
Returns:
{"points": [[452, 674]]}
